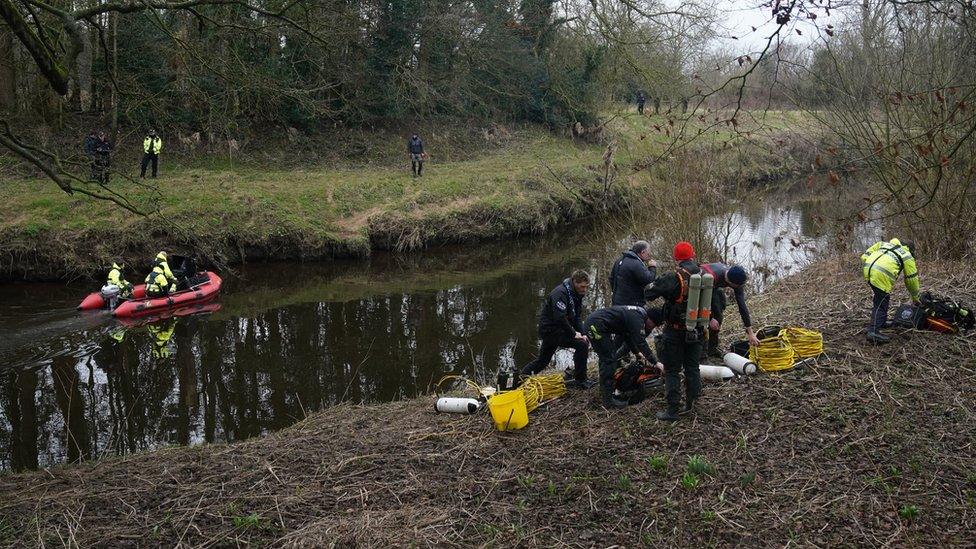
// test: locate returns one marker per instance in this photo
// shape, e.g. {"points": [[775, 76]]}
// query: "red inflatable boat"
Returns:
{"points": [[141, 305]]}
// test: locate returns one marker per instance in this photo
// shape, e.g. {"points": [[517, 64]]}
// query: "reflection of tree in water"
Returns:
{"points": [[20, 413]]}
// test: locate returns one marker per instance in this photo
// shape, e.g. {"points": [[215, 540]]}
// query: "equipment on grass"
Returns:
{"points": [[774, 352], [909, 316], [634, 381], [456, 405], [508, 411], [739, 364], [508, 378], [539, 389], [947, 312], [715, 373], [805, 343]]}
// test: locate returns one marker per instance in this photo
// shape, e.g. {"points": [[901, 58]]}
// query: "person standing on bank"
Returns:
{"points": [[727, 277], [560, 327], [883, 263], [415, 147], [631, 274], [632, 325], [640, 103], [680, 348], [152, 145]]}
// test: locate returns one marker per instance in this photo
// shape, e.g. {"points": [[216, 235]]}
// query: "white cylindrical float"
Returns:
{"points": [[739, 364], [715, 373], [455, 405]]}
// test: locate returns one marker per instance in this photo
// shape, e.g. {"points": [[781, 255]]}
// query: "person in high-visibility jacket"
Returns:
{"points": [[116, 279], [161, 281], [883, 263], [152, 145]]}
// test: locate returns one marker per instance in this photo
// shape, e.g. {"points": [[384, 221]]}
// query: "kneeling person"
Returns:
{"points": [[161, 281], [631, 324], [559, 326]]}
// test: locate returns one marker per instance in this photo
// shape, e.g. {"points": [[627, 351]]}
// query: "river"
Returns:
{"points": [[284, 340]]}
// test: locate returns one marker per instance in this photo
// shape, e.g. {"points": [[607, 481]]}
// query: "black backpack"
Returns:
{"points": [[635, 380], [909, 316], [945, 309]]}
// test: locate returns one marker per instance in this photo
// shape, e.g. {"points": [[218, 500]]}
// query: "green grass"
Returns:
{"points": [[509, 189]]}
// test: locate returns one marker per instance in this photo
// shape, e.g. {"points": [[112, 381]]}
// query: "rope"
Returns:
{"points": [[540, 389], [774, 353], [806, 343], [472, 385], [779, 352]]}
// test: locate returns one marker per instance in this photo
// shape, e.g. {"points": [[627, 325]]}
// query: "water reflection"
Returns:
{"points": [[287, 340]]}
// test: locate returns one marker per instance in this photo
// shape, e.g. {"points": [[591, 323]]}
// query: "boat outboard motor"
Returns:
{"points": [[110, 294]]}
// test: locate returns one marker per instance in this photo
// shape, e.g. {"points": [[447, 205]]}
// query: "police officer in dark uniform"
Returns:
{"points": [[631, 324], [560, 327], [632, 273], [680, 349]]}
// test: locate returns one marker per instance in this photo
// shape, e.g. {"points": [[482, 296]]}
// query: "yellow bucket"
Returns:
{"points": [[508, 410]]}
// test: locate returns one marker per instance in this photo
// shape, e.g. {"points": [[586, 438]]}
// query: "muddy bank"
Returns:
{"points": [[282, 219], [870, 446]]}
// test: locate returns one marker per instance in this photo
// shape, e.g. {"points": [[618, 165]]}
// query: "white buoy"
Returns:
{"points": [[715, 373], [455, 405], [739, 364]]}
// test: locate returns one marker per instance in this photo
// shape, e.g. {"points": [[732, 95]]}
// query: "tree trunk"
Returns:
{"points": [[8, 73]]}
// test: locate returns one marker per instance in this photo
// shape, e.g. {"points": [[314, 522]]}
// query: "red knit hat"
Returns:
{"points": [[683, 251]]}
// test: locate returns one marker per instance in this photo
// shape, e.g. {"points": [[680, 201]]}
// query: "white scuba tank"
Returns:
{"points": [[715, 373], [455, 405], [739, 364]]}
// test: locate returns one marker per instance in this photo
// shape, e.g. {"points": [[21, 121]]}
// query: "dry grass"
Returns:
{"points": [[870, 446]]}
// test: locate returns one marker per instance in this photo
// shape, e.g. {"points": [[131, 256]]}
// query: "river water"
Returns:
{"points": [[284, 340]]}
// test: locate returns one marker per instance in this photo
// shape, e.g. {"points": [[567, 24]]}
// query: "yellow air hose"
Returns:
{"points": [[806, 343], [780, 351], [542, 388], [774, 353]]}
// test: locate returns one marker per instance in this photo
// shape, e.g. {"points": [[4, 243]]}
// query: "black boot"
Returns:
{"points": [[877, 337], [610, 401], [689, 407], [670, 414]]}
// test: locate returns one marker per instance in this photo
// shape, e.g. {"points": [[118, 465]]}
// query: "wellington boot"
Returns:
{"points": [[878, 338], [668, 415], [688, 408]]}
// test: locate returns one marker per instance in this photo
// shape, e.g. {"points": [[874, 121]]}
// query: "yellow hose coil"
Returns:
{"points": [[779, 352], [773, 354], [806, 343], [539, 389]]}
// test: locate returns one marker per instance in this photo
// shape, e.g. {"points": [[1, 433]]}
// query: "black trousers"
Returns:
{"points": [[146, 159], [550, 344], [879, 309], [609, 362], [677, 355], [640, 108]]}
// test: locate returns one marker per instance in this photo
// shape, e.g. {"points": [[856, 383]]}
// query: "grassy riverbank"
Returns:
{"points": [[869, 446], [525, 182]]}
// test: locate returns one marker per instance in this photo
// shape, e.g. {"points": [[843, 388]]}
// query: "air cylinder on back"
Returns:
{"points": [[705, 306], [694, 296]]}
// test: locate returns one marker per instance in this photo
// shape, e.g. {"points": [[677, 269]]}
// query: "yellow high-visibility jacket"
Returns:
{"points": [[115, 277], [152, 145], [161, 278], [885, 261]]}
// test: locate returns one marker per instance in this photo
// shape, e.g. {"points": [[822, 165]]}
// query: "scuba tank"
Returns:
{"points": [[739, 364], [715, 373], [705, 305], [455, 405], [694, 296]]}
